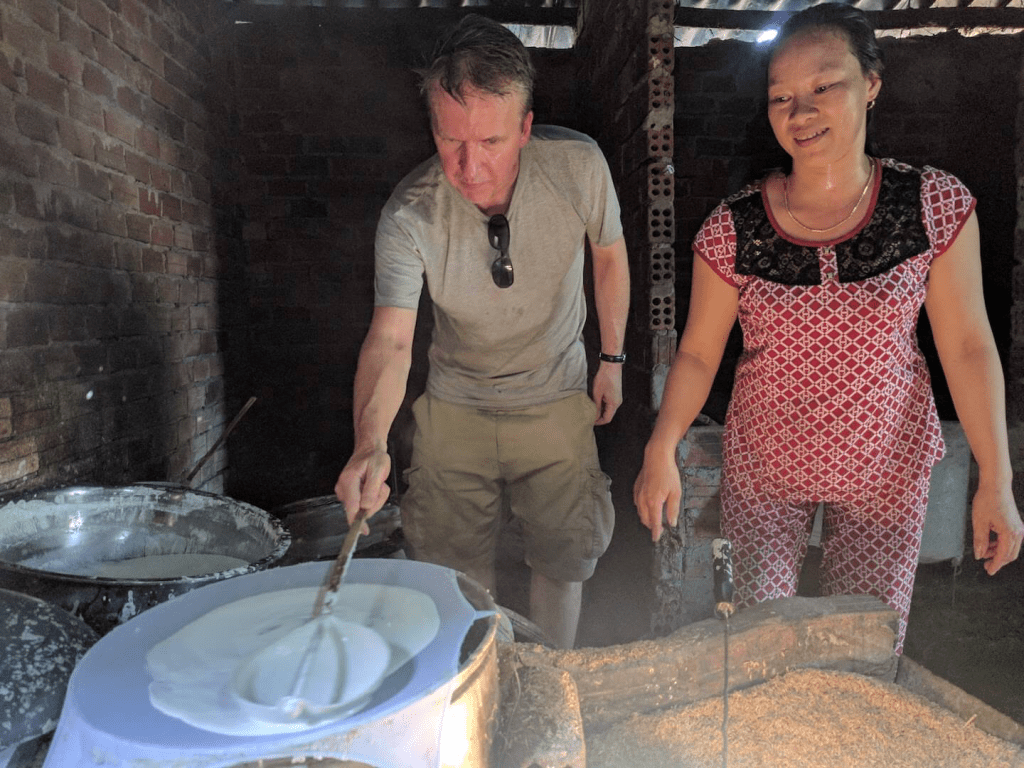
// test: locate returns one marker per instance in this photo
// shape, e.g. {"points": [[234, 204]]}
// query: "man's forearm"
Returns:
{"points": [[611, 295]]}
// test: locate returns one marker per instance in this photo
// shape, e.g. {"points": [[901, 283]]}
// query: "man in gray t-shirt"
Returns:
{"points": [[496, 223]]}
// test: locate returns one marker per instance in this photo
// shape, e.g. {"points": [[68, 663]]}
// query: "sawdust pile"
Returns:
{"points": [[805, 719]]}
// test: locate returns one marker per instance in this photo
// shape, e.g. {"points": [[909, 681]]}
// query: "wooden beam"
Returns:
{"points": [[851, 633], [917, 18], [276, 14]]}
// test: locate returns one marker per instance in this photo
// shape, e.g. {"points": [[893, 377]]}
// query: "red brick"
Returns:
{"points": [[147, 141], [76, 34], [95, 80], [201, 241], [137, 166], [176, 263], [183, 238], [162, 36], [161, 234], [43, 13], [24, 39], [120, 126], [201, 188], [45, 88], [54, 169], [96, 15], [138, 227], [8, 77], [111, 57], [124, 36], [16, 157], [170, 207], [128, 256], [34, 123], [178, 78], [111, 221], [27, 326], [13, 277], [85, 108], [110, 154], [163, 93], [71, 208], [48, 282], [130, 100], [21, 468], [151, 55], [93, 181], [30, 421], [65, 61], [195, 137], [161, 178], [171, 154], [134, 14], [75, 138], [149, 202], [153, 261], [177, 182], [190, 212]]}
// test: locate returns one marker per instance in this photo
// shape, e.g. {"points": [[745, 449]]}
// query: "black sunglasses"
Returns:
{"points": [[498, 236]]}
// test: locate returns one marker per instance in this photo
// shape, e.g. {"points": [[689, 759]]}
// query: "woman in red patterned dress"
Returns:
{"points": [[827, 269]]}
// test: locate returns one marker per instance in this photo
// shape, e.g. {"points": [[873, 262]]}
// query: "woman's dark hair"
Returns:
{"points": [[842, 19], [481, 53], [855, 27]]}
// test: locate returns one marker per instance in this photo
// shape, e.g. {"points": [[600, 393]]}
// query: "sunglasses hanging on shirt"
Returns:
{"points": [[498, 236]]}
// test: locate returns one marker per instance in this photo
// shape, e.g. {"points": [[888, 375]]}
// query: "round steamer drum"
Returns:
{"points": [[318, 527], [105, 554], [41, 646], [439, 710]]}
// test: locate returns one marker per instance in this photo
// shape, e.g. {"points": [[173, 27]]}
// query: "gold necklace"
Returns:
{"points": [[785, 199]]}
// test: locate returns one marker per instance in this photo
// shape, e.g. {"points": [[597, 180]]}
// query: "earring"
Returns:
{"points": [[871, 105]]}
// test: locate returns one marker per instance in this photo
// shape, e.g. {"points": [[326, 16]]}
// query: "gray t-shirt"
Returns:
{"points": [[502, 347]]}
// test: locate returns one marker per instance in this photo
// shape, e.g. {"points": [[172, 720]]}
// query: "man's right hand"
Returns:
{"points": [[361, 484]]}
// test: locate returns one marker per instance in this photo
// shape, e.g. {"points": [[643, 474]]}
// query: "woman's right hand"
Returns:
{"points": [[657, 491]]}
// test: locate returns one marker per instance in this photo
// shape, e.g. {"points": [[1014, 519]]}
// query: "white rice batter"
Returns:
{"points": [[167, 566]]}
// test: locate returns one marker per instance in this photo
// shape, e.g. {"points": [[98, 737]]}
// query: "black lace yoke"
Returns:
{"points": [[894, 234]]}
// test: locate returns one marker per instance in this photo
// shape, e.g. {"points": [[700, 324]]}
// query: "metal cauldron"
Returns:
{"points": [[318, 527], [52, 541]]}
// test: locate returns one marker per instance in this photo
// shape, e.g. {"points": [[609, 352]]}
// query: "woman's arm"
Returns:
{"points": [[963, 337], [713, 308]]}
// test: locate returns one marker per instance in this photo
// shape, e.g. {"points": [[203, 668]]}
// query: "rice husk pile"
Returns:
{"points": [[805, 718]]}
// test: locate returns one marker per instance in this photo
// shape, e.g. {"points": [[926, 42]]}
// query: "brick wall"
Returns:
{"points": [[109, 371]]}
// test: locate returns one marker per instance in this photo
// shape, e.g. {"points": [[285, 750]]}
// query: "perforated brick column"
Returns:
{"points": [[661, 271]]}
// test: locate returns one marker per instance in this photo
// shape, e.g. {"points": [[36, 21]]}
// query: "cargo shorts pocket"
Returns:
{"points": [[601, 513]]}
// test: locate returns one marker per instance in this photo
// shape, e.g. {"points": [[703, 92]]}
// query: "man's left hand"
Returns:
{"points": [[607, 391]]}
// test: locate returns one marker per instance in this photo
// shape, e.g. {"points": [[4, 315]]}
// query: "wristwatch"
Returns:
{"points": [[612, 358]]}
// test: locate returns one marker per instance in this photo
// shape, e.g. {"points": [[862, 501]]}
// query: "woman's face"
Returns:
{"points": [[818, 97]]}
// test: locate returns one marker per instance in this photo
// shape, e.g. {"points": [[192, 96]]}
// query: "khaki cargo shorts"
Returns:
{"points": [[470, 465]]}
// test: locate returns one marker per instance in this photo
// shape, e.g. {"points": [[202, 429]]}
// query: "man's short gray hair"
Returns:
{"points": [[480, 53]]}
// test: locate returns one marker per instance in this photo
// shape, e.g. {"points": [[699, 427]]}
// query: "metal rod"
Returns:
{"points": [[221, 439]]}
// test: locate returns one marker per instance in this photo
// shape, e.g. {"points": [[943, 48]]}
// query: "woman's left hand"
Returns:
{"points": [[998, 529]]}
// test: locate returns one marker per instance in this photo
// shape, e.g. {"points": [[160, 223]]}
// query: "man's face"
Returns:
{"points": [[478, 142]]}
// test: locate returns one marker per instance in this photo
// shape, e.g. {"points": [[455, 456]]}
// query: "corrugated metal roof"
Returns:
{"points": [[552, 23]]}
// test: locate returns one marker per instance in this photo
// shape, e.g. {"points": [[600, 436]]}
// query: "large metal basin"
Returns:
{"points": [[54, 543]]}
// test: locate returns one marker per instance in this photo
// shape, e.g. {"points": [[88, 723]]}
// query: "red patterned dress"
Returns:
{"points": [[832, 400]]}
